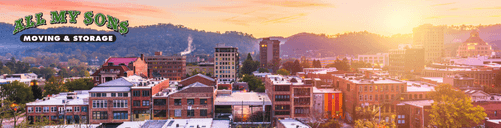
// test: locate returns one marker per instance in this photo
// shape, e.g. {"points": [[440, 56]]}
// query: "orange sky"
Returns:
{"points": [[264, 18]]}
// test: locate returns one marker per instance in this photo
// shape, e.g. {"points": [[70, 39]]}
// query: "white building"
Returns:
{"points": [[226, 62], [382, 59]]}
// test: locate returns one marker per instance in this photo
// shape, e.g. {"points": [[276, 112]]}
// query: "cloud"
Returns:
{"points": [[293, 3], [443, 4], [439, 17], [452, 9], [121, 9], [286, 18], [488, 8]]}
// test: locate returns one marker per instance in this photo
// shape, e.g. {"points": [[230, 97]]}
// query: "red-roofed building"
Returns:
{"points": [[116, 67]]}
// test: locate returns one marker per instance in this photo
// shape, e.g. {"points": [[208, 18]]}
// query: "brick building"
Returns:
{"points": [[192, 101], [328, 102], [369, 90], [116, 67], [71, 107], [142, 93], [406, 60], [291, 96], [172, 67], [413, 114], [481, 75], [269, 51], [198, 78]]}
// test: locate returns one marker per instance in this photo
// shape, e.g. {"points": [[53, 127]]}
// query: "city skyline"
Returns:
{"points": [[263, 18]]}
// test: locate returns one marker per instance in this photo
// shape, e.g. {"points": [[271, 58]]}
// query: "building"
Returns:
{"points": [[461, 82], [364, 90], [474, 46], [62, 108], [413, 114], [417, 90], [176, 123], [494, 123], [172, 67], [243, 105], [481, 75], [192, 101], [328, 102], [381, 59], [117, 67], [291, 96], [204, 68], [431, 38], [226, 59], [291, 123], [198, 78], [192, 59], [269, 52], [406, 59], [474, 61], [123, 99]]}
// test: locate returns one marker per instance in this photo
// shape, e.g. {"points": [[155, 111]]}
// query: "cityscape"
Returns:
{"points": [[415, 74]]}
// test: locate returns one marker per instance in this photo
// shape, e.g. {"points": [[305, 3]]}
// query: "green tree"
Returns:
{"points": [[79, 84], [452, 108], [37, 91], [263, 70], [17, 91], [296, 67], [35, 70], [283, 72], [253, 82], [249, 66], [305, 63], [83, 73], [54, 86], [5, 111]]}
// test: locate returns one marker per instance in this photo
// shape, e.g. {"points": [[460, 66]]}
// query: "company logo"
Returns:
{"points": [[61, 18]]}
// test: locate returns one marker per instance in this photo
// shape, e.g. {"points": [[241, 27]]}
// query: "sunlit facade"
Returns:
{"points": [[474, 46]]}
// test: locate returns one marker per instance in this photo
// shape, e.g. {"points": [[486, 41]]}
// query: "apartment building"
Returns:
{"points": [[328, 102], [269, 51], [226, 62], [364, 90], [117, 67], [381, 59], [291, 96], [172, 67], [62, 108], [431, 38]]}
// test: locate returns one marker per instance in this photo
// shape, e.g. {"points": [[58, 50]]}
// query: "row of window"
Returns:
{"points": [[381, 88], [112, 94], [223, 71], [69, 119], [190, 113], [225, 58], [54, 109], [138, 103], [225, 76], [224, 63], [190, 101], [225, 67], [136, 93]]}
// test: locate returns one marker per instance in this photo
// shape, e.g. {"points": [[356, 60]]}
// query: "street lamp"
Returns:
{"points": [[14, 107]]}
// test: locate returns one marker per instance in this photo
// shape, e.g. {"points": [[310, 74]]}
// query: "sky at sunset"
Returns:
{"points": [[264, 18]]}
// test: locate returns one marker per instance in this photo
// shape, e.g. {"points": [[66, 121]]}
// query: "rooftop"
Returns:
{"points": [[360, 79], [118, 60], [436, 79], [418, 103], [287, 80], [316, 90], [199, 75], [417, 86], [72, 98], [173, 123], [247, 98], [292, 123]]}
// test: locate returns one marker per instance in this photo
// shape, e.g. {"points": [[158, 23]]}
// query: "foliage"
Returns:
{"points": [[5, 111], [490, 89], [79, 84], [360, 64], [261, 70], [253, 82], [17, 91], [453, 108], [249, 66], [54, 86], [341, 65], [317, 64], [283, 72], [17, 66], [37, 91], [305, 63]]}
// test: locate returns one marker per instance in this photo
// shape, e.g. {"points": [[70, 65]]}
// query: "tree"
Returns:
{"points": [[17, 92], [79, 84], [289, 65], [249, 65], [54, 86], [305, 63], [261, 70], [283, 72], [253, 82], [296, 67], [5, 111], [35, 70], [453, 108], [37, 91]]}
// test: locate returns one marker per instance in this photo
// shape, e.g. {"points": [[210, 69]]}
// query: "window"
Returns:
{"points": [[125, 94], [30, 109], [120, 103], [203, 112], [84, 109], [190, 113], [136, 103], [100, 115], [136, 93], [159, 101], [120, 115], [370, 88], [361, 97], [177, 101], [99, 104], [69, 109], [159, 113], [365, 88], [45, 109], [177, 113], [282, 98], [113, 94], [375, 97], [370, 97], [146, 103], [191, 101], [203, 101], [146, 93], [92, 94], [348, 87], [38, 109], [103, 94], [77, 109], [53, 109]]}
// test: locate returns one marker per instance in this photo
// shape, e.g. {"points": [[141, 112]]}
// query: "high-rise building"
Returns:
{"points": [[406, 59], [431, 38], [226, 62], [269, 52], [172, 67], [474, 46]]}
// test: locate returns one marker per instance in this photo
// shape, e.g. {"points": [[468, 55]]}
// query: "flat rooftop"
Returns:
{"points": [[436, 79], [286, 80], [292, 123], [418, 103], [317, 90], [248, 98], [418, 86], [372, 80], [57, 99]]}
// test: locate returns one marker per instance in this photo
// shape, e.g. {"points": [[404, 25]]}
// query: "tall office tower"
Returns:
{"points": [[226, 62], [431, 38], [269, 51]]}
